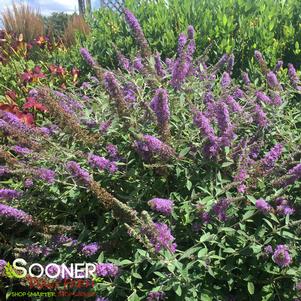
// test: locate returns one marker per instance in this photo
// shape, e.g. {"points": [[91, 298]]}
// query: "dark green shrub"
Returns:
{"points": [[230, 25]]}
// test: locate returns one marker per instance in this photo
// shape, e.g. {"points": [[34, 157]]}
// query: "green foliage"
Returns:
{"points": [[56, 23], [230, 26]]}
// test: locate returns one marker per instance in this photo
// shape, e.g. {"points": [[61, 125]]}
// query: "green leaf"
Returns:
{"points": [[188, 184], [251, 288], [202, 252], [184, 152], [133, 297], [224, 20], [229, 250], [178, 290], [248, 214], [136, 275], [125, 262]]}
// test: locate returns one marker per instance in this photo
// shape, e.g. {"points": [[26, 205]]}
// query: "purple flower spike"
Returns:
{"points": [[230, 63], [110, 83], [263, 206], [158, 65], [180, 71], [138, 65], [190, 32], [46, 175], [263, 97], [28, 183], [272, 80], [79, 173], [238, 93], [282, 256], [155, 296], [123, 62], [9, 194], [293, 175], [246, 79], [278, 66], [220, 209], [160, 106], [21, 150], [90, 249], [222, 61], [2, 266], [87, 57], [98, 162], [163, 206], [151, 146], [285, 210], [104, 126], [259, 58], [106, 270], [272, 156], [203, 123], [137, 32], [295, 81], [182, 40], [224, 123], [163, 239], [112, 151], [260, 116], [16, 214], [233, 104], [226, 80], [268, 250]]}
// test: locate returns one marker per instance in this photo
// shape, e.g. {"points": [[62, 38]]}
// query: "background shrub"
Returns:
{"points": [[230, 26], [55, 24]]}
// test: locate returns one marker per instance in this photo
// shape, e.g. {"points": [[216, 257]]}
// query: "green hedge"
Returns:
{"points": [[238, 26]]}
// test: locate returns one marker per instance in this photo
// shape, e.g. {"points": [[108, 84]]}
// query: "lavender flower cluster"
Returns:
{"points": [[90, 249], [163, 206], [107, 270], [102, 163], [160, 106], [149, 147], [281, 207], [162, 238], [15, 214], [77, 172], [9, 194], [2, 266]]}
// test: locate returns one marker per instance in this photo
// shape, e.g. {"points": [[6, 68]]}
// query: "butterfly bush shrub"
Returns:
{"points": [[180, 181]]}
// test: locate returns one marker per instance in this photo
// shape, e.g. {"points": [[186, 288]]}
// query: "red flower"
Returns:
{"points": [[24, 116], [37, 69], [60, 70], [52, 69], [12, 108], [75, 74], [37, 72], [11, 95], [26, 77], [32, 103]]}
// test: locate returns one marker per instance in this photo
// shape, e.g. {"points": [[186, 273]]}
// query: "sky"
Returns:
{"points": [[47, 7]]}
